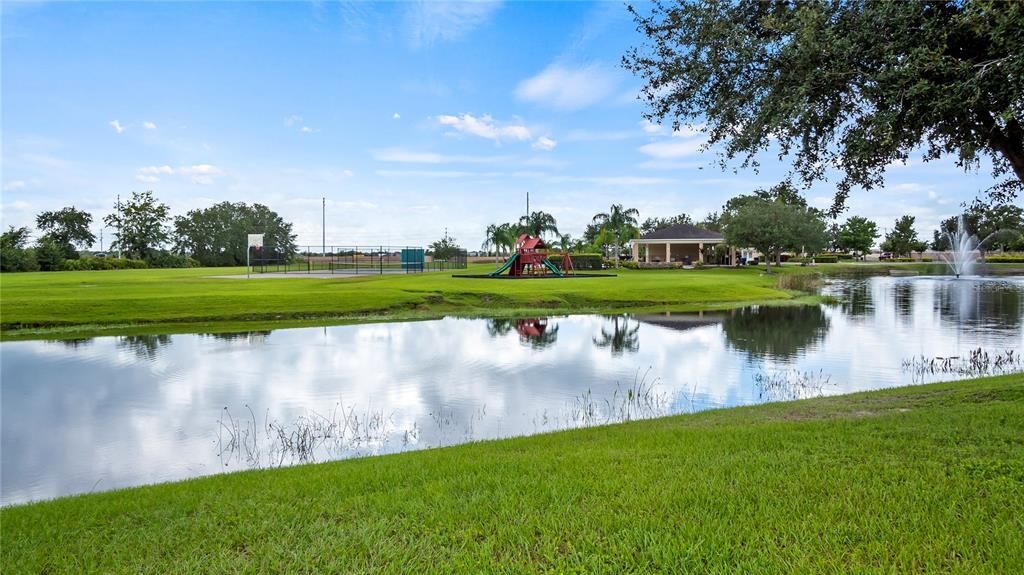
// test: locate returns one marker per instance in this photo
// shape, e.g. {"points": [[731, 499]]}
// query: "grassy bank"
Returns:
{"points": [[79, 304], [920, 479]]}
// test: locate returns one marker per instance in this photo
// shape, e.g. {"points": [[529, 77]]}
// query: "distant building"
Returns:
{"points": [[679, 243]]}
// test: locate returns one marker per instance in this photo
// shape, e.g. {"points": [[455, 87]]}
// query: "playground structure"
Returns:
{"points": [[531, 260]]}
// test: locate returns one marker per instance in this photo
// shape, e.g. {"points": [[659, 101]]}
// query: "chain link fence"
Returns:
{"points": [[354, 260]]}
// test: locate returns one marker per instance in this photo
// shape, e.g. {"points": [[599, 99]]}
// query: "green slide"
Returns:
{"points": [[554, 269], [504, 267]]}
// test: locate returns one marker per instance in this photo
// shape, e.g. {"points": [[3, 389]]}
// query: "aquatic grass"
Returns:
{"points": [[977, 363], [789, 385], [916, 479]]}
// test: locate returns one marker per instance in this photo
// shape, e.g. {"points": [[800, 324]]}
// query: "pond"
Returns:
{"points": [[111, 412]]}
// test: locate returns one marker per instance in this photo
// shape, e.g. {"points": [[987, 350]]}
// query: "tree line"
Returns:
{"points": [[146, 233], [775, 221]]}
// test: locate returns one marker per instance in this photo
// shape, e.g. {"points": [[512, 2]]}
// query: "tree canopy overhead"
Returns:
{"points": [[848, 85]]}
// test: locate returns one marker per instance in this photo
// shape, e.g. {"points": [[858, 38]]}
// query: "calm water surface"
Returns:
{"points": [[113, 412]]}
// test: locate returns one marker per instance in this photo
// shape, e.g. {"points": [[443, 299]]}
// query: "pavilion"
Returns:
{"points": [[678, 243]]}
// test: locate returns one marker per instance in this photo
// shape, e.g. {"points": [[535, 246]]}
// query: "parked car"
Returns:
{"points": [[885, 256], [99, 255]]}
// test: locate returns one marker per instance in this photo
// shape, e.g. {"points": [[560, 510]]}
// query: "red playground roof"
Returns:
{"points": [[529, 243]]}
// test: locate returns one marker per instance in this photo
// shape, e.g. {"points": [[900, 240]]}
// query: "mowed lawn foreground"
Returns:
{"points": [[148, 298], [908, 480]]}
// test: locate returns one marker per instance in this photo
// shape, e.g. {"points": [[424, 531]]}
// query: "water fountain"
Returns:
{"points": [[963, 248]]}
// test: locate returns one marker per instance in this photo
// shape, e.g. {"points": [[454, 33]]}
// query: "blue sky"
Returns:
{"points": [[408, 117]]}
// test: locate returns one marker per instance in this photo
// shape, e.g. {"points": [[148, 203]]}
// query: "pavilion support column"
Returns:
{"points": [[668, 252], [700, 252], [636, 252], [647, 253]]}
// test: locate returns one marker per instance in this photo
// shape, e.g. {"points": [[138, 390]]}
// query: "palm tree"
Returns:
{"points": [[508, 234], [623, 336], [621, 223], [565, 242], [538, 223], [494, 237]]}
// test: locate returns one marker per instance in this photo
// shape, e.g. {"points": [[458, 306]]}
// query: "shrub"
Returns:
{"points": [[99, 264], [838, 255], [14, 259], [49, 254], [169, 260], [1006, 259], [581, 261], [629, 264], [819, 259]]}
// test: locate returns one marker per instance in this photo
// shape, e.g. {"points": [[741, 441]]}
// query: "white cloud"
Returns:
{"points": [[396, 116], [405, 156], [429, 21], [202, 174], [306, 130], [568, 88], [485, 127], [292, 120], [545, 143], [153, 170], [14, 185], [671, 149], [116, 125], [347, 173], [149, 125], [650, 127], [686, 141]]}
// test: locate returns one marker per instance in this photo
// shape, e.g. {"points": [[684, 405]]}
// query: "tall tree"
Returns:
{"points": [[141, 224], [851, 85], [857, 235], [67, 227], [539, 223], [902, 239], [217, 235], [654, 224], [445, 248], [712, 221], [995, 220], [772, 227], [620, 225]]}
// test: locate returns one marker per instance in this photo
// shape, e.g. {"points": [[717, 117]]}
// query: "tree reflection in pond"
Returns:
{"points": [[775, 332], [622, 337], [144, 346]]}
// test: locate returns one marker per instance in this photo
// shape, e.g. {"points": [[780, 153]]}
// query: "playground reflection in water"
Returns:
{"points": [[111, 412]]}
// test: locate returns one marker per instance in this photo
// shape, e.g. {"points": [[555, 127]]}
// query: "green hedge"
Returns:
{"points": [[96, 264], [819, 259], [169, 260], [589, 262], [1006, 259], [837, 255]]}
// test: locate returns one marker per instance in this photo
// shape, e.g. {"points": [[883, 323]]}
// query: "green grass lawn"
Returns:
{"points": [[79, 304], [918, 479]]}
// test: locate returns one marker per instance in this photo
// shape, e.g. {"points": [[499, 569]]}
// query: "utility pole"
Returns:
{"points": [[323, 225], [527, 205], [101, 239]]}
